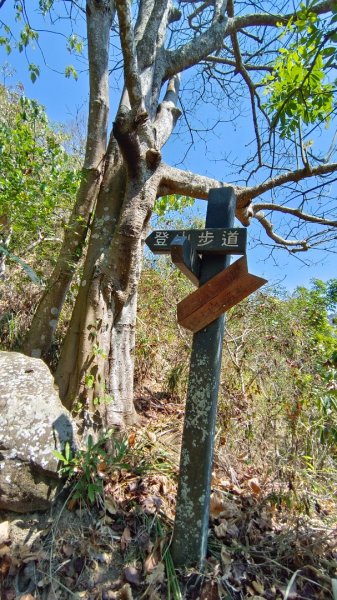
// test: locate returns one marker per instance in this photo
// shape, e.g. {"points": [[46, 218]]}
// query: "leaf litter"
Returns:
{"points": [[260, 547]]}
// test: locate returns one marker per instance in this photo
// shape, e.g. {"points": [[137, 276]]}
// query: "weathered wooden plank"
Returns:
{"points": [[218, 295]]}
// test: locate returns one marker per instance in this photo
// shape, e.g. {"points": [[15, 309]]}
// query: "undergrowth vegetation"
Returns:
{"points": [[274, 476], [278, 400]]}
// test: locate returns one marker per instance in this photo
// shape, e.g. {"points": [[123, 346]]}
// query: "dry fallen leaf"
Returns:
{"points": [[152, 436], [221, 529], [226, 557], [126, 538], [153, 595], [68, 550], [222, 506], [210, 591], [110, 505], [101, 469], [258, 587], [72, 504], [157, 575], [255, 486], [125, 593], [151, 505], [233, 530], [5, 564], [217, 504], [132, 439], [150, 563], [132, 575], [4, 550]]}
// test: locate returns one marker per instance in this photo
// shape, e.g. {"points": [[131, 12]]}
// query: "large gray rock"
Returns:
{"points": [[33, 423]]}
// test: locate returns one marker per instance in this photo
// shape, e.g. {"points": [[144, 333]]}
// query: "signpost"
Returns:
{"points": [[204, 256]]}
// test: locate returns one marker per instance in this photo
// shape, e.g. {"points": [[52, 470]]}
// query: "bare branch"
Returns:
{"points": [[147, 44], [132, 78], [268, 227], [177, 181], [199, 48], [295, 212], [250, 193], [269, 20], [144, 13], [240, 68], [168, 113], [99, 20], [232, 63]]}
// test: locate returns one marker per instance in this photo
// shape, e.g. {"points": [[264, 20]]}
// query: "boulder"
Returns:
{"points": [[33, 423]]}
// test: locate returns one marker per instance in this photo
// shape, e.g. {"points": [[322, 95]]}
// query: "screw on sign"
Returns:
{"points": [[204, 256]]}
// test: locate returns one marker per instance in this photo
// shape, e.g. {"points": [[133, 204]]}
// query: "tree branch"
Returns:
{"points": [[168, 113], [268, 227], [199, 48], [177, 181], [268, 20], [99, 21], [131, 72], [147, 44], [232, 63], [240, 68], [249, 193], [295, 212]]}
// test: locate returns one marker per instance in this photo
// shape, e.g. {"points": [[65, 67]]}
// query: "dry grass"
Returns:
{"points": [[261, 545]]}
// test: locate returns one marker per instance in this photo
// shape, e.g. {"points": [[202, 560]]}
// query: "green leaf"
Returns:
{"points": [[67, 451], [70, 71], [91, 493], [58, 455], [34, 72]]}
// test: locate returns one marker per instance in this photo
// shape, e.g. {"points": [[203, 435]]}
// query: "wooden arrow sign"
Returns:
{"points": [[218, 295]]}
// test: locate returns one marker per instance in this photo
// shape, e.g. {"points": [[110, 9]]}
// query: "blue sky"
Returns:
{"points": [[63, 98]]}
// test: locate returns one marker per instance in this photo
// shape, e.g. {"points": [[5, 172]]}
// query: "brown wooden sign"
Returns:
{"points": [[218, 295]]}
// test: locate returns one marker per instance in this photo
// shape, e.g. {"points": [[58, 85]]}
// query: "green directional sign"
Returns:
{"points": [[210, 241]]}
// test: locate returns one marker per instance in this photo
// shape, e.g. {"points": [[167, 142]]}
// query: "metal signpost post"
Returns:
{"points": [[220, 287]]}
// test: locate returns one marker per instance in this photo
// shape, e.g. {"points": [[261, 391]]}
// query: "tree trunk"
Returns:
{"points": [[97, 360], [119, 408], [41, 332]]}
